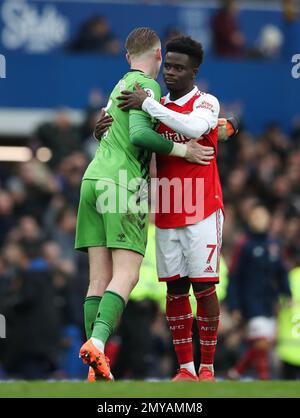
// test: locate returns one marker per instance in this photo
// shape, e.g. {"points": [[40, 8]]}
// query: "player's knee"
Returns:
{"points": [[134, 280], [97, 278], [128, 280], [262, 344], [202, 287], [179, 286]]}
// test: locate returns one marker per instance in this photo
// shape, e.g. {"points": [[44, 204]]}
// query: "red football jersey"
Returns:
{"points": [[195, 190]]}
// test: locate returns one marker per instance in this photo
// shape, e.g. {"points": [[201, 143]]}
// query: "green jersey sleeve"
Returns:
{"points": [[141, 124], [153, 90], [142, 135]]}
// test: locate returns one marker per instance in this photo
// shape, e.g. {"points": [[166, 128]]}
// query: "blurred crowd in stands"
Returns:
{"points": [[228, 39], [43, 280]]}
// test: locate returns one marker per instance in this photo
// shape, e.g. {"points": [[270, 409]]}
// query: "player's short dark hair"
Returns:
{"points": [[141, 40], [187, 45]]}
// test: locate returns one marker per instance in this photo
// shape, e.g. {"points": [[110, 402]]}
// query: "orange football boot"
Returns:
{"points": [[206, 375], [91, 375], [97, 360], [184, 375]]}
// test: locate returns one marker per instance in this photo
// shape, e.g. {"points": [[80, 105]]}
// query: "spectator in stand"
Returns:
{"points": [[270, 41], [34, 196], [258, 276], [96, 36], [52, 253], [31, 348], [228, 39], [7, 218], [70, 170], [60, 136], [31, 186], [64, 232]]}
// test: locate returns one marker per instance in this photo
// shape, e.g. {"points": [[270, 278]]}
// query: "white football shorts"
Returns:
{"points": [[261, 327], [192, 250]]}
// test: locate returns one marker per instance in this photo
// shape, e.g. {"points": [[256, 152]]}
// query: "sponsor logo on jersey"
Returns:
{"points": [[205, 105], [175, 137]]}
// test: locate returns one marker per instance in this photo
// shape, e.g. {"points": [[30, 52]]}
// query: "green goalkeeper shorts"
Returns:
{"points": [[105, 219]]}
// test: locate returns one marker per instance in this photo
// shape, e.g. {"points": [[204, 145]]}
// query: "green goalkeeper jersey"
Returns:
{"points": [[116, 153]]}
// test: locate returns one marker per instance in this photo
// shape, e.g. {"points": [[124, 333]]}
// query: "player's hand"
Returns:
{"points": [[102, 125], [199, 154], [132, 99], [227, 128]]}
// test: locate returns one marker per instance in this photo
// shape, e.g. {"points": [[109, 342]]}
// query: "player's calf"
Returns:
{"points": [[208, 315]]}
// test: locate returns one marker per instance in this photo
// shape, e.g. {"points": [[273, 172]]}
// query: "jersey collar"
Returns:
{"points": [[182, 100], [135, 69]]}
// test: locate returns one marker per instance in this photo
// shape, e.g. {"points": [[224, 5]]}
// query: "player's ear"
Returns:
{"points": [[195, 72], [158, 55], [128, 58]]}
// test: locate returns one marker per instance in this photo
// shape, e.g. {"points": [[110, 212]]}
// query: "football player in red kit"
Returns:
{"points": [[189, 232]]}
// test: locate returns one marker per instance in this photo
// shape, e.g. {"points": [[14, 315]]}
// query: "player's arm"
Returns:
{"points": [[227, 128], [193, 125], [103, 123], [142, 135]]}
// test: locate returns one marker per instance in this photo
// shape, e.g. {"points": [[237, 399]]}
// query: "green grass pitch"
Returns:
{"points": [[134, 389]]}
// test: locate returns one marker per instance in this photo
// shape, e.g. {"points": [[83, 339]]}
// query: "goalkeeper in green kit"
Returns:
{"points": [[112, 217]]}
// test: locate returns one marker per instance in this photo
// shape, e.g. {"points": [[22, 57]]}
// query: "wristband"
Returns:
{"points": [[179, 150], [145, 103]]}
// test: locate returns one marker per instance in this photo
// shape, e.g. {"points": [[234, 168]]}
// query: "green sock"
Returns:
{"points": [[90, 308], [110, 310]]}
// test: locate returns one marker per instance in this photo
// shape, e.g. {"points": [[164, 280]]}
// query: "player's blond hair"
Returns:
{"points": [[141, 40]]}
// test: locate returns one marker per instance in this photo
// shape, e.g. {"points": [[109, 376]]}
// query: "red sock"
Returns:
{"points": [[261, 363], [258, 358], [208, 315], [180, 320], [246, 360]]}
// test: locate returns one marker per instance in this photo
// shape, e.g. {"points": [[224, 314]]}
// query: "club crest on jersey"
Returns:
{"points": [[122, 85], [149, 92]]}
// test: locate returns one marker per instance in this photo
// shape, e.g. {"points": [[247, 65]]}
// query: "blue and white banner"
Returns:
{"points": [[37, 71]]}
